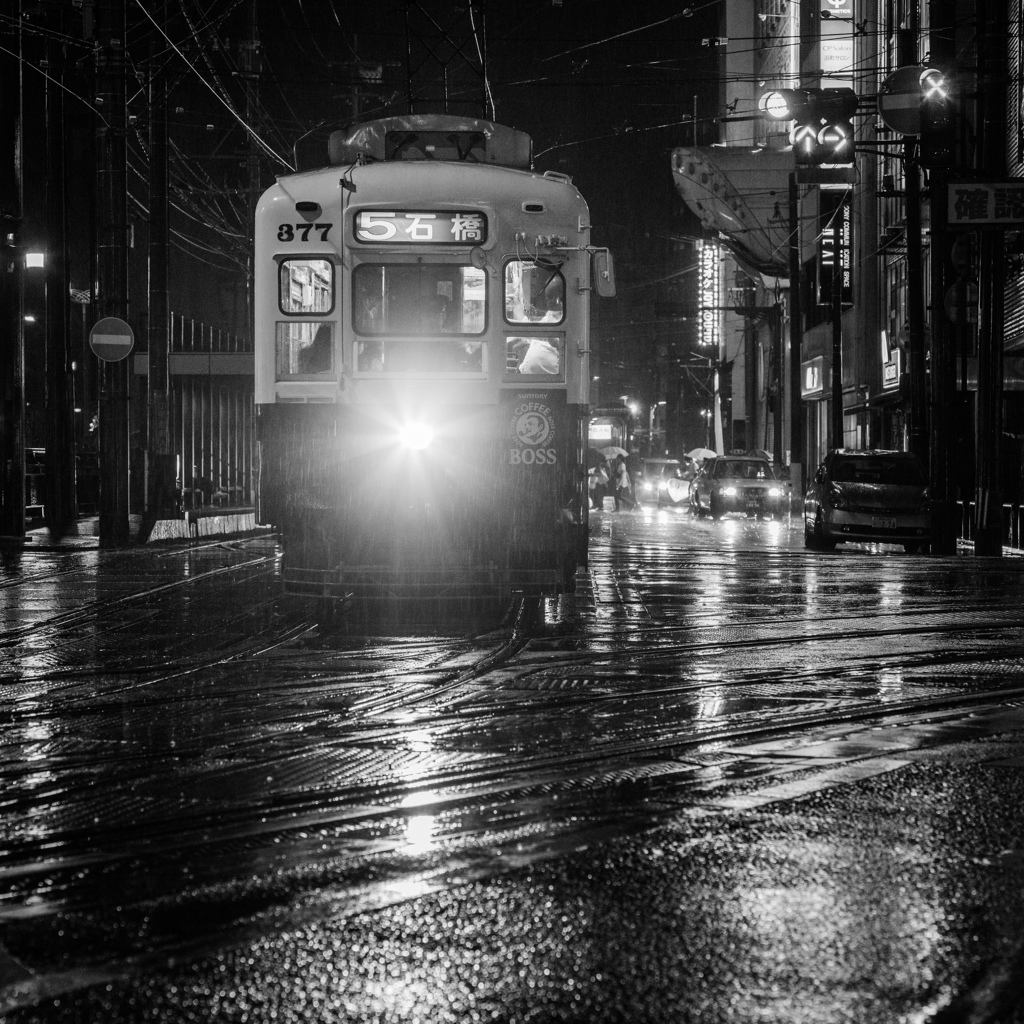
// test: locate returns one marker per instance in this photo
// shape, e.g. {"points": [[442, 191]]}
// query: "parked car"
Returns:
{"points": [[733, 483], [870, 495], [663, 481]]}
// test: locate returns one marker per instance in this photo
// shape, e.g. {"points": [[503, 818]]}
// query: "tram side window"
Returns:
{"points": [[534, 293], [304, 348], [534, 357], [306, 286]]}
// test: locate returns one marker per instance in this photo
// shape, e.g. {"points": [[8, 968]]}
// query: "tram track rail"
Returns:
{"points": [[89, 610], [544, 777], [339, 726]]}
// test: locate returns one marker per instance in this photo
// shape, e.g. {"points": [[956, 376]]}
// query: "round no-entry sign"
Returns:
{"points": [[899, 101], [111, 339]]}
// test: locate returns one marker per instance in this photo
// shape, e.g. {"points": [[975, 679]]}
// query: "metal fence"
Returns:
{"points": [[212, 407], [1013, 525]]}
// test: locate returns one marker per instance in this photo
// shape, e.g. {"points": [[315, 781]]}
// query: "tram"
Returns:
{"points": [[422, 367]]}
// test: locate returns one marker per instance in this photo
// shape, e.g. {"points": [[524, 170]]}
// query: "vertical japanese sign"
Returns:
{"points": [[710, 294], [835, 228]]}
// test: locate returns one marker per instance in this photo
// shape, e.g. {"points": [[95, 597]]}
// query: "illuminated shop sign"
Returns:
{"points": [[836, 39], [421, 227], [836, 8], [812, 377], [836, 54], [891, 371], [835, 230], [710, 291]]}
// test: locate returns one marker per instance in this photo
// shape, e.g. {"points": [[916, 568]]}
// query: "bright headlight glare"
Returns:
{"points": [[415, 436], [775, 492], [729, 491]]}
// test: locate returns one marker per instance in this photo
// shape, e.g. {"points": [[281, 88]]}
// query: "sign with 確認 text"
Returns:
{"points": [[972, 204]]}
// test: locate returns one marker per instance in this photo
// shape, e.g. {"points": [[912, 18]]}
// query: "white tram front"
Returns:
{"points": [[422, 365]]}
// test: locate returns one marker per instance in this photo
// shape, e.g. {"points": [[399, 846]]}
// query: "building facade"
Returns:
{"points": [[899, 313]]}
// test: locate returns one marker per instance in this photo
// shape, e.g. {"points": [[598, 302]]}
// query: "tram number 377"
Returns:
{"points": [[301, 232]]}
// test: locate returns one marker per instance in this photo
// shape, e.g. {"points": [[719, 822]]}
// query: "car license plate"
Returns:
{"points": [[883, 522], [751, 505]]}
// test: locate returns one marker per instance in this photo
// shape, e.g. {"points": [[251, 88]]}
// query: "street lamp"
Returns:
{"points": [[35, 260]]}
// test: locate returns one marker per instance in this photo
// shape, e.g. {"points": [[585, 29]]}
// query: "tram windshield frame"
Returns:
{"points": [[419, 318], [418, 300]]}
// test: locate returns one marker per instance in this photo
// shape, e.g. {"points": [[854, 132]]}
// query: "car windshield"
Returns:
{"points": [[743, 469], [878, 470]]}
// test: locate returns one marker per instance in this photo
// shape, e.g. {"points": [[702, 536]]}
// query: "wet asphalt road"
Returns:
{"points": [[728, 780]]}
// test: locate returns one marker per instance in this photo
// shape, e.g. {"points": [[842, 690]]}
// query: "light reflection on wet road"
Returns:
{"points": [[188, 761]]}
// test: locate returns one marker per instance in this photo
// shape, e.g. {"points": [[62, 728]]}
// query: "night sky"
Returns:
{"points": [[606, 90]]}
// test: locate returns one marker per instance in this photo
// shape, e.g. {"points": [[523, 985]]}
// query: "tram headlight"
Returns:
{"points": [[415, 436]]}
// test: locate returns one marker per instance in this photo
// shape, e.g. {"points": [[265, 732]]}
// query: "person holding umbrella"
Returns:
{"points": [[623, 484]]}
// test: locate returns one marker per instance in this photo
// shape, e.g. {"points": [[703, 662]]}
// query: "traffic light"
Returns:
{"points": [[938, 120], [822, 131]]}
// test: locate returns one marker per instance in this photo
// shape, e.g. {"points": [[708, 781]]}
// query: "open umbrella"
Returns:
{"points": [[612, 452], [594, 458], [702, 453]]}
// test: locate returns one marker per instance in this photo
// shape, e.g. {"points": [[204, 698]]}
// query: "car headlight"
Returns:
{"points": [[774, 492], [729, 492]]}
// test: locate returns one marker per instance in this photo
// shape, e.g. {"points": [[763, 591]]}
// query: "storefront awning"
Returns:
{"points": [[744, 194]]}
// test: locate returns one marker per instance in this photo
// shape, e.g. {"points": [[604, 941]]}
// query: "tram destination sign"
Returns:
{"points": [[993, 204], [421, 227]]}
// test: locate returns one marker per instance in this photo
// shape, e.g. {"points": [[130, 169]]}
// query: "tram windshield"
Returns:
{"points": [[534, 293], [418, 299]]}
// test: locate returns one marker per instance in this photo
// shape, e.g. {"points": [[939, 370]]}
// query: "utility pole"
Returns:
{"points": [[160, 468], [917, 427], [992, 73], [796, 335], [777, 379], [917, 439], [61, 505], [12, 352], [112, 265], [837, 331], [944, 398], [251, 66]]}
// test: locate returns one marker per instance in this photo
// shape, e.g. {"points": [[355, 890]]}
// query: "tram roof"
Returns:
{"points": [[431, 137]]}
